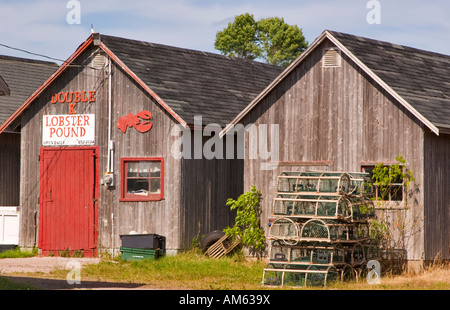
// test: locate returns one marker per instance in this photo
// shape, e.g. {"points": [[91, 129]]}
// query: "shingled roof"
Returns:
{"points": [[192, 82], [4, 89], [23, 77], [418, 79]]}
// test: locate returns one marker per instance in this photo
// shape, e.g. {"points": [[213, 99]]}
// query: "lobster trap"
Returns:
{"points": [[323, 182], [323, 206], [361, 184], [290, 231], [333, 231], [299, 275], [340, 183], [319, 228], [319, 253], [307, 253], [371, 250], [284, 229]]}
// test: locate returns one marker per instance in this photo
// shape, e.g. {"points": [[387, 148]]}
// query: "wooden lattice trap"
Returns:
{"points": [[222, 247], [318, 253], [299, 275], [337, 183], [291, 231], [319, 229], [296, 205]]}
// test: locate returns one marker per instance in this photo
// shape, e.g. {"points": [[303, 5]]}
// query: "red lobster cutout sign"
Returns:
{"points": [[141, 121]]}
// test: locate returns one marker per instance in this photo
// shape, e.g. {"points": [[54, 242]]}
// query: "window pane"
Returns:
{"points": [[132, 168], [155, 186], [143, 169], [137, 186], [155, 169]]}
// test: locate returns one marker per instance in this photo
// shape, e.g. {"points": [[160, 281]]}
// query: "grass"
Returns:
{"points": [[6, 284], [190, 270], [17, 253], [193, 270]]}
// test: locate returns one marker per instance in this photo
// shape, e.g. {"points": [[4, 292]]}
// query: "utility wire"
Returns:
{"points": [[48, 57], [31, 53]]}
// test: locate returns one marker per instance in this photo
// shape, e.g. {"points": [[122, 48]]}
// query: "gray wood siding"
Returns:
{"points": [[195, 191], [206, 186], [9, 169], [338, 115], [160, 217], [437, 196], [76, 78]]}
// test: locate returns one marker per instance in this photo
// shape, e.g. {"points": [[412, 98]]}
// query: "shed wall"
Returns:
{"points": [[338, 119], [437, 196], [195, 190], [160, 217]]}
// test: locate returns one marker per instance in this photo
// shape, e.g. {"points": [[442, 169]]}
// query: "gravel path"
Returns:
{"points": [[41, 264], [17, 269]]}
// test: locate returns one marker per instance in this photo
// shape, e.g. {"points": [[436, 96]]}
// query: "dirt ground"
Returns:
{"points": [[19, 269]]}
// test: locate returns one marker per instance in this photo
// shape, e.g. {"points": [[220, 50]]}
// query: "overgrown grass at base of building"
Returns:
{"points": [[18, 253], [190, 270], [193, 270]]}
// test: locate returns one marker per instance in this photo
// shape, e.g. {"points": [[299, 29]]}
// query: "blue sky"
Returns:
{"points": [[40, 26]]}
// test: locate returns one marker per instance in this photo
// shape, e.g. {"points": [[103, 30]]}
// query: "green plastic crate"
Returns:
{"points": [[139, 254]]}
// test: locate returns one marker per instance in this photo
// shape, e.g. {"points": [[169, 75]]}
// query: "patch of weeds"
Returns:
{"points": [[18, 253]]}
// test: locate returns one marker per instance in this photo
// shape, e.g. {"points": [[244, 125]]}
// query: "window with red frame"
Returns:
{"points": [[142, 179]]}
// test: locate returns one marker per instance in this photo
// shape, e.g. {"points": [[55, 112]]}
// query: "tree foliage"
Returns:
{"points": [[270, 39], [239, 39], [247, 222], [282, 43]]}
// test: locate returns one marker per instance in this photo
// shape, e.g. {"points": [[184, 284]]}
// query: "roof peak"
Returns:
{"points": [[385, 43]]}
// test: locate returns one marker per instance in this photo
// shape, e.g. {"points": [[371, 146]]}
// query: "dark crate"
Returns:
{"points": [[144, 241], [129, 254], [6, 247]]}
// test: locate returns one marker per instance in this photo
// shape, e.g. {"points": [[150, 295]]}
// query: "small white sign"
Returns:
{"points": [[70, 129]]}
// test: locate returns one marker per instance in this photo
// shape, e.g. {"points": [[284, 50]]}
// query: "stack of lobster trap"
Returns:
{"points": [[319, 230]]}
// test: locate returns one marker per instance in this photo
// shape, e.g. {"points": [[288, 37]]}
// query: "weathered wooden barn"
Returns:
{"points": [[19, 78], [349, 103], [97, 145]]}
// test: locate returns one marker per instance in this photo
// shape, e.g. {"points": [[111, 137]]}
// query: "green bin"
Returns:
{"points": [[139, 254]]}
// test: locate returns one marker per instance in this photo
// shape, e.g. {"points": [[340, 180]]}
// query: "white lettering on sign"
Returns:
{"points": [[78, 129]]}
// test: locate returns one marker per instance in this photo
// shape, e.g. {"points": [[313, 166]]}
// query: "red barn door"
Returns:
{"points": [[68, 195]]}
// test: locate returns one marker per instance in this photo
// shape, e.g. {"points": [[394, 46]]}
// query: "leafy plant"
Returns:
{"points": [[392, 231], [78, 253], [247, 222], [64, 253], [386, 176]]}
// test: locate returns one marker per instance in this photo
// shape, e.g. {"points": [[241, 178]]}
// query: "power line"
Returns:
{"points": [[31, 53], [48, 57]]}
